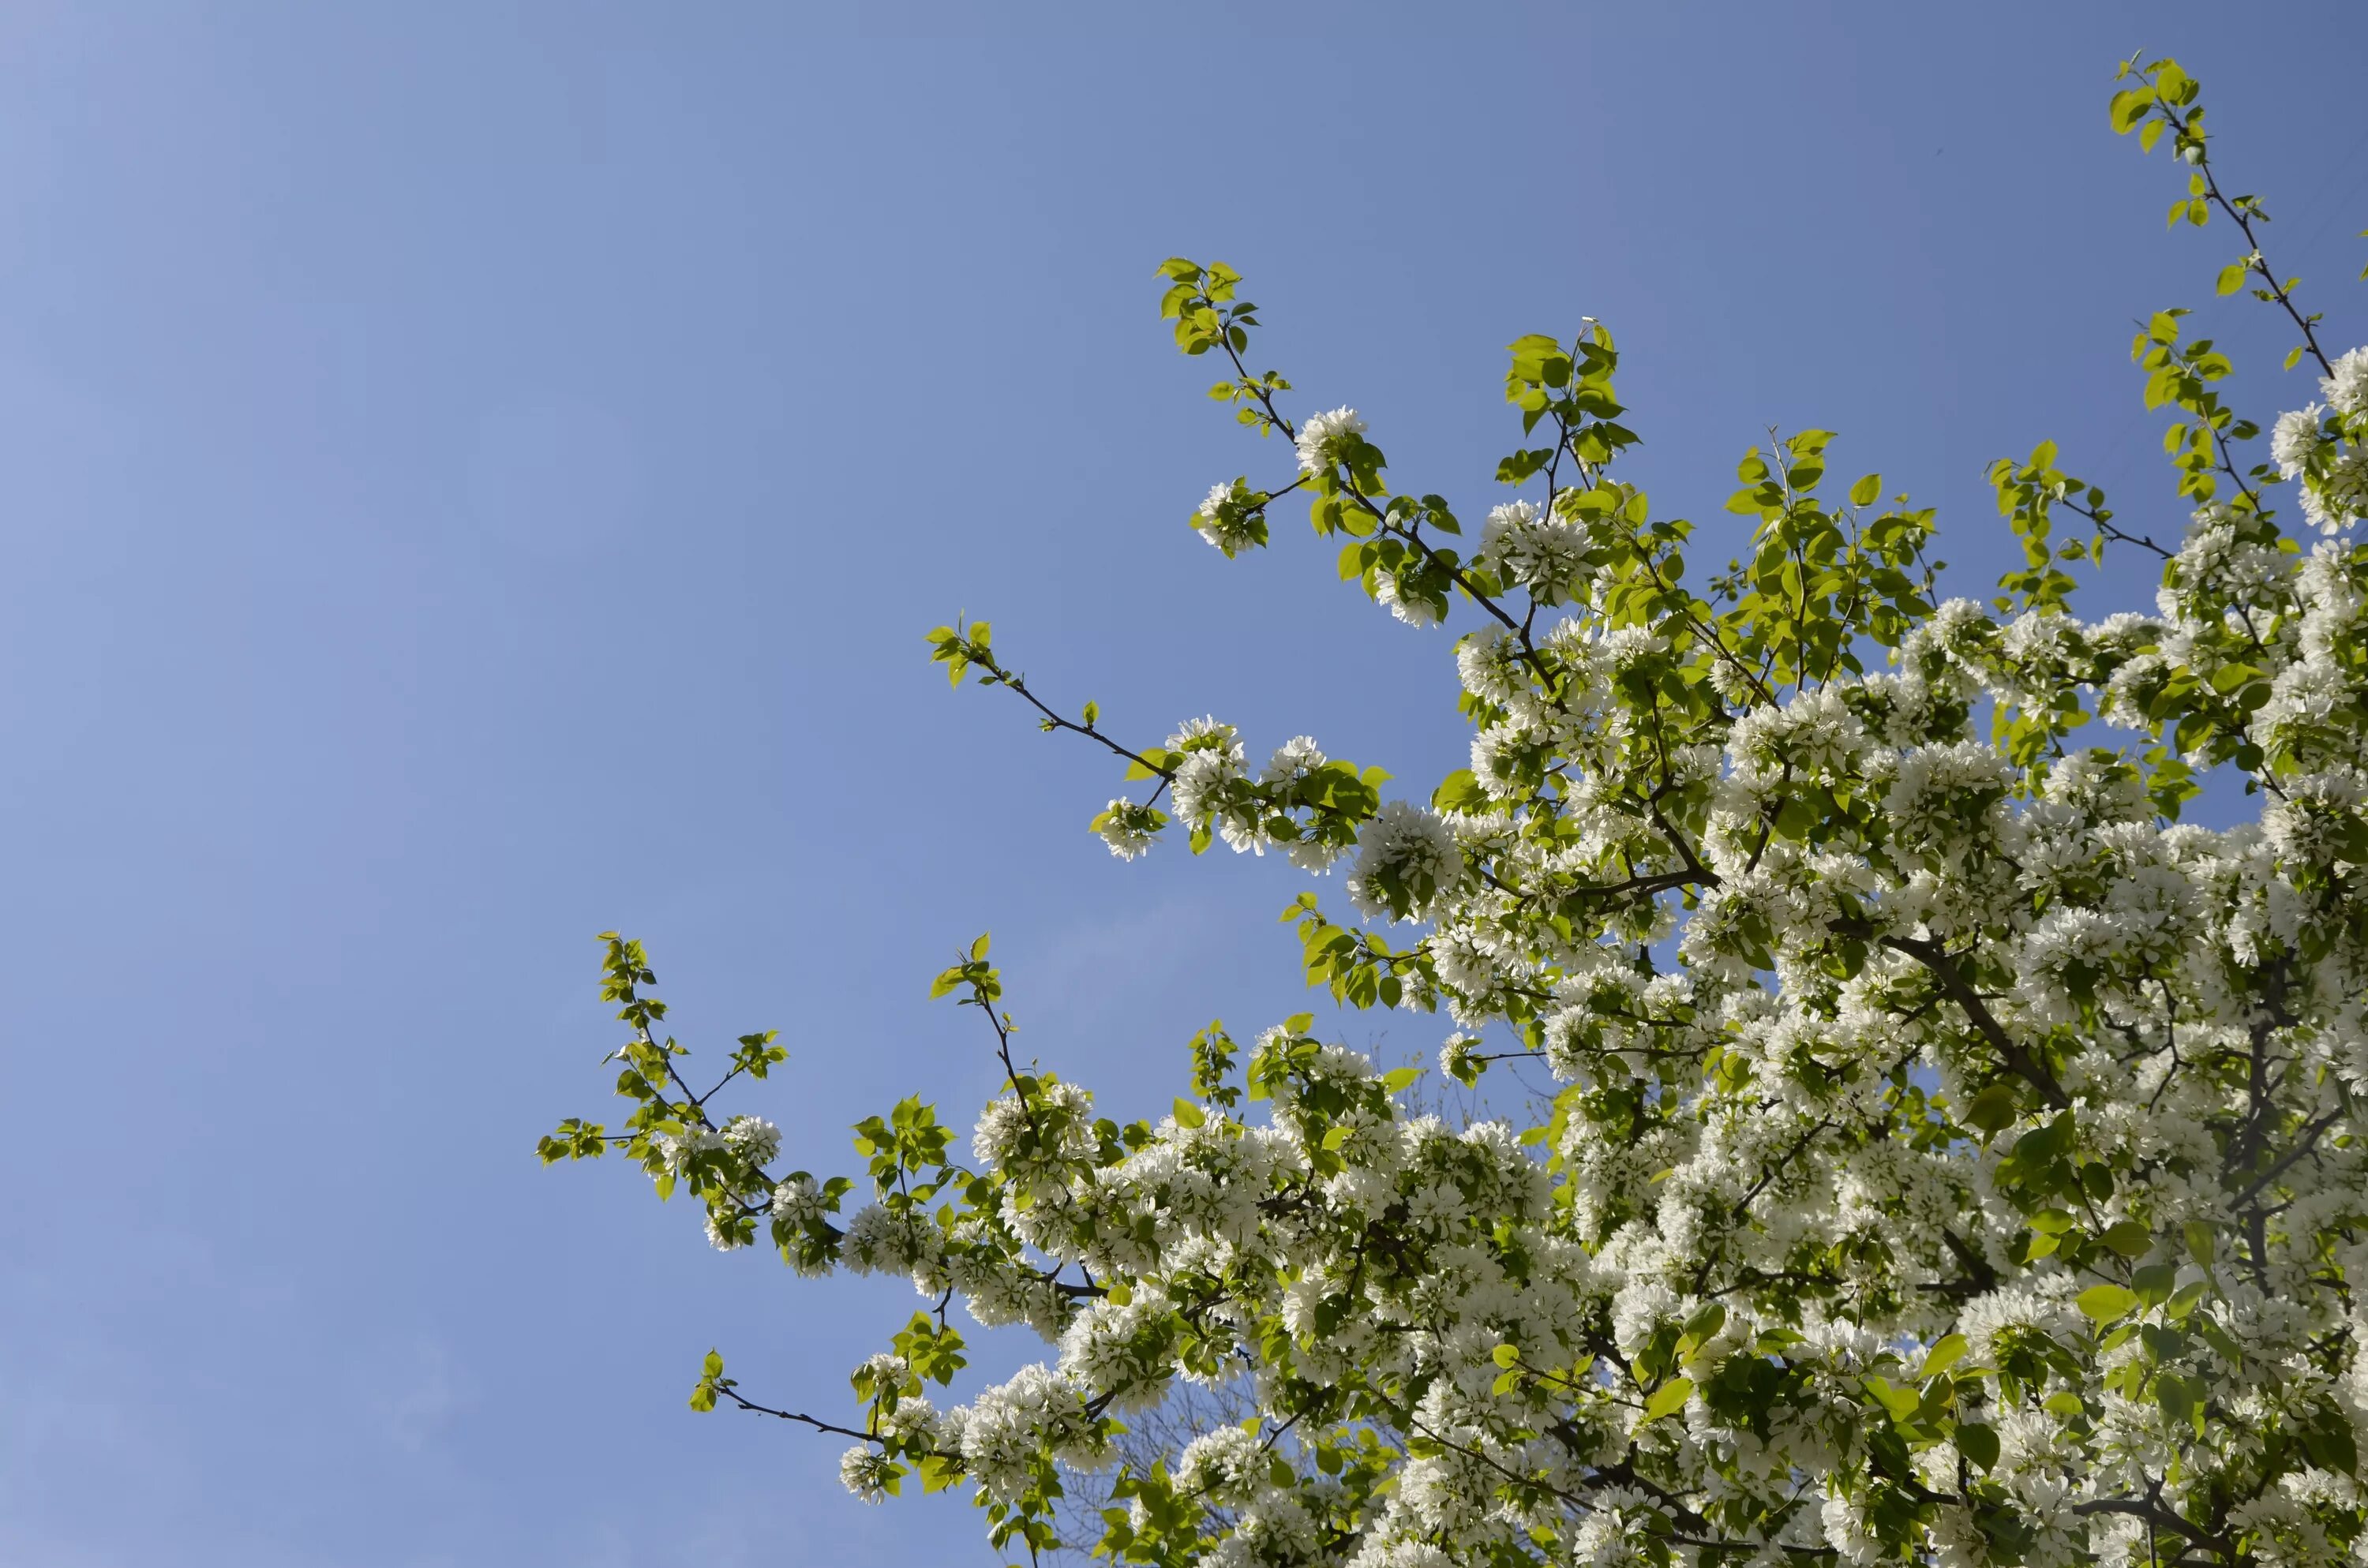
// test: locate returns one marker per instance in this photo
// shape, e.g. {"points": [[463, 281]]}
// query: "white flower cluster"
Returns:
{"points": [[1215, 795], [1211, 764], [1390, 593], [879, 1240], [1537, 551], [752, 1137], [1319, 437], [1039, 1416], [1230, 519], [1406, 858], [2324, 446], [797, 1200], [1129, 828]]}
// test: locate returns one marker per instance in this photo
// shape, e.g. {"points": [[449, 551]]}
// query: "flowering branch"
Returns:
{"points": [[1942, 1134]]}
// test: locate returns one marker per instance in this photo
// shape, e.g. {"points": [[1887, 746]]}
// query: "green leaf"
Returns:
{"points": [[702, 1397], [2330, 1443], [1901, 1403], [1945, 1354], [1993, 1109], [2155, 1283], [1865, 491], [1189, 1114], [1400, 1077], [1978, 1444], [1668, 1398], [2130, 1238], [2175, 1395], [2104, 1303]]}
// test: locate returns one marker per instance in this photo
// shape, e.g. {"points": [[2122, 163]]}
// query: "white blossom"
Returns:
{"points": [[2345, 386], [1411, 608], [1317, 437], [797, 1200], [1128, 827], [1406, 858], [752, 1137], [1229, 518], [866, 1473], [2294, 437]]}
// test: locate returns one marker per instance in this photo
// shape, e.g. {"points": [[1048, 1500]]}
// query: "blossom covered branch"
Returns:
{"points": [[1952, 1156]]}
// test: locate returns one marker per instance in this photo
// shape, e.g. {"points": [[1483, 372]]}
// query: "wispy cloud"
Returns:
{"points": [[420, 1397]]}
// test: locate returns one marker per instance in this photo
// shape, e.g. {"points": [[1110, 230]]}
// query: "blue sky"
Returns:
{"points": [[478, 475]]}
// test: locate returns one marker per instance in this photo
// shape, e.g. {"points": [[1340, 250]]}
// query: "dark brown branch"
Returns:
{"points": [[753, 1408], [1953, 983], [2158, 1516], [1001, 676], [2310, 1136]]}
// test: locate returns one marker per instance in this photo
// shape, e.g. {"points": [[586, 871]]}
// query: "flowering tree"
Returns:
{"points": [[1954, 1157]]}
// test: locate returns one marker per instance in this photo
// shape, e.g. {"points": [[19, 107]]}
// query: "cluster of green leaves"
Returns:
{"points": [[646, 1077], [669, 1134], [2163, 99], [1214, 1055], [2053, 1180], [925, 1351], [2028, 494], [1572, 386], [2184, 375], [909, 1140], [1202, 302], [960, 646], [1822, 581], [1238, 518], [1355, 963]]}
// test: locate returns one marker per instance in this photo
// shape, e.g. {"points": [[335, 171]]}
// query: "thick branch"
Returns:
{"points": [[2310, 1136], [2158, 1516], [1953, 983]]}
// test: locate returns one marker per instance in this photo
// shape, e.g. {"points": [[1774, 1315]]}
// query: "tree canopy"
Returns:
{"points": [[1952, 1156]]}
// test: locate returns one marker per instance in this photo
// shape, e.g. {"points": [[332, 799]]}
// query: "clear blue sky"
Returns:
{"points": [[476, 475]]}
